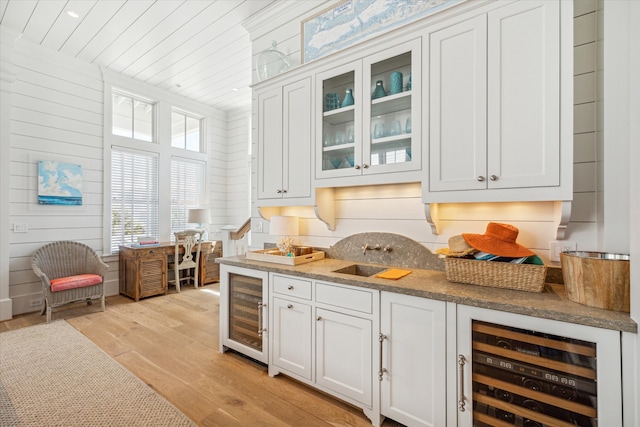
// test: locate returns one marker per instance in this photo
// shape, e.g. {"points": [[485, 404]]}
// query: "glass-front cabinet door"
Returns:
{"points": [[370, 120], [340, 131], [391, 113]]}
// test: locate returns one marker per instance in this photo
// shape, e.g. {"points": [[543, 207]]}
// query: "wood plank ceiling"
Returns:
{"points": [[195, 48]]}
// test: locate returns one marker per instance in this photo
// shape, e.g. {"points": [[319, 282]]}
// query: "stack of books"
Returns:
{"points": [[146, 241]]}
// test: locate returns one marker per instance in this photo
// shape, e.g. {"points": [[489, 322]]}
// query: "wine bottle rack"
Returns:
{"points": [[531, 379]]}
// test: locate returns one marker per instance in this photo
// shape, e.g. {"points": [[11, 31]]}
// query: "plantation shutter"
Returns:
{"points": [[134, 196], [187, 191]]}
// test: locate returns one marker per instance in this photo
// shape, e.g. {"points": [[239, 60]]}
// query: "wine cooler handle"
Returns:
{"points": [[461, 398], [381, 371], [261, 307]]}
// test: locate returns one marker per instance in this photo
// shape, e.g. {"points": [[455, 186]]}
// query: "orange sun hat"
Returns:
{"points": [[498, 239]]}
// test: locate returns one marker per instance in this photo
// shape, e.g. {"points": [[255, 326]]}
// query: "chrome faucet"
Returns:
{"points": [[366, 248]]}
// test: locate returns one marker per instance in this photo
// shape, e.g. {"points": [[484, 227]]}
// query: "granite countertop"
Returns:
{"points": [[551, 303]]}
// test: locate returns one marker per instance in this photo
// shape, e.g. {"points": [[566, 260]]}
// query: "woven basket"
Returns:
{"points": [[521, 277]]}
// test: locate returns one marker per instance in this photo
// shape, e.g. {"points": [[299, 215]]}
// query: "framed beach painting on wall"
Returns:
{"points": [[59, 183], [353, 21]]}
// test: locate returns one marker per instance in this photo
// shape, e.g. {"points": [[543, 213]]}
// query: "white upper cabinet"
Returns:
{"points": [[499, 119], [284, 144], [457, 106], [378, 135]]}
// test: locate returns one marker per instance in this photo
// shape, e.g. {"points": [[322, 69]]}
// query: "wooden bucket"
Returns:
{"points": [[597, 279]]}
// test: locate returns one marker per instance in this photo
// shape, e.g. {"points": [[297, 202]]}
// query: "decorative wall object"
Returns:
{"points": [[353, 21], [59, 183]]}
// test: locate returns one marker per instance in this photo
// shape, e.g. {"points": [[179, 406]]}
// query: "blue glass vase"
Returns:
{"points": [[395, 82], [348, 98], [379, 91]]}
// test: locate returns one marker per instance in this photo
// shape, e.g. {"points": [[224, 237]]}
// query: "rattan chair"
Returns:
{"points": [[186, 258], [70, 272]]}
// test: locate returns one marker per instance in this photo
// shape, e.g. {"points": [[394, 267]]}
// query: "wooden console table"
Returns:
{"points": [[143, 270]]}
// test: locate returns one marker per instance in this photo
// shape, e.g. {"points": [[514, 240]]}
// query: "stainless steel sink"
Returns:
{"points": [[360, 270]]}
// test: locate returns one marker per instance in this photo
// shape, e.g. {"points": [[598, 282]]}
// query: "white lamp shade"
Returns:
{"points": [[199, 216], [284, 226]]}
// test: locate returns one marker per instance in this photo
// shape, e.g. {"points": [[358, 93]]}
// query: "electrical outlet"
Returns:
{"points": [[36, 302], [20, 227], [259, 228], [558, 246]]}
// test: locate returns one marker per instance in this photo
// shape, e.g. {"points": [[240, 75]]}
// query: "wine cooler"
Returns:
{"points": [[243, 311], [531, 379]]}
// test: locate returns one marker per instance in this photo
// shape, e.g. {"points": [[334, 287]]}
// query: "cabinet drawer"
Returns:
{"points": [[353, 299], [153, 252], [293, 287]]}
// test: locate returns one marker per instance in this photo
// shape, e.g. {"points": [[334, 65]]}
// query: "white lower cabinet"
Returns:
{"points": [[292, 336], [413, 356], [343, 355], [323, 335]]}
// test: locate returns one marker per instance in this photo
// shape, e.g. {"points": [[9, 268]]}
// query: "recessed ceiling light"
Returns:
{"points": [[178, 85], [72, 14], [235, 89]]}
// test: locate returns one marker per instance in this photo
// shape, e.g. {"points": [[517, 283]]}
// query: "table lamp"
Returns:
{"points": [[200, 216], [285, 226]]}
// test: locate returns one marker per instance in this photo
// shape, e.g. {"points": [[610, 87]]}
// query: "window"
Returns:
{"points": [[132, 116], [155, 162], [134, 196], [187, 190], [186, 131]]}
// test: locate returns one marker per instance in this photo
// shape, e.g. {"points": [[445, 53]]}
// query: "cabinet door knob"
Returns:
{"points": [[278, 191], [357, 167], [319, 318], [493, 178], [289, 306], [284, 191], [290, 287], [365, 166], [480, 178]]}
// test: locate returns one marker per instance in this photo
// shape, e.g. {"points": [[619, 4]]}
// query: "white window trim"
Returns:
{"points": [[165, 102]]}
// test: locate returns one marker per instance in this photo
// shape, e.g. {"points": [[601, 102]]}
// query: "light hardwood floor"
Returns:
{"points": [[171, 343]]}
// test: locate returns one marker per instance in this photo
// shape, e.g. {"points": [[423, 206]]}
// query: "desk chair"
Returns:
{"points": [[185, 264]]}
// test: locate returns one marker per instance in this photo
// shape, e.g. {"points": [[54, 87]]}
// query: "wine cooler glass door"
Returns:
{"points": [[243, 311]]}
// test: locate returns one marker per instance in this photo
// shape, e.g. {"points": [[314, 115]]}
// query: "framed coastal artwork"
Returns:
{"points": [[352, 21], [59, 183]]}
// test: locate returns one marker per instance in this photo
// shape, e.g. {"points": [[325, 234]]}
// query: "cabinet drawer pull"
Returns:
{"points": [[480, 178], [461, 398], [289, 306], [152, 251], [290, 287], [493, 178]]}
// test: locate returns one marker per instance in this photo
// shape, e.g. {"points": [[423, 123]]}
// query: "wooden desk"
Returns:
{"points": [[143, 270]]}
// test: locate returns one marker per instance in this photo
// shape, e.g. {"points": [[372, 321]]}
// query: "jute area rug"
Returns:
{"points": [[52, 375]]}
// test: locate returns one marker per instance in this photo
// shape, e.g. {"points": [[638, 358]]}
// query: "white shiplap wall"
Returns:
{"points": [[399, 208], [57, 114], [238, 186]]}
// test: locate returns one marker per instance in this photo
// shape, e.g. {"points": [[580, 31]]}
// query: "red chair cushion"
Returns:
{"points": [[72, 282]]}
